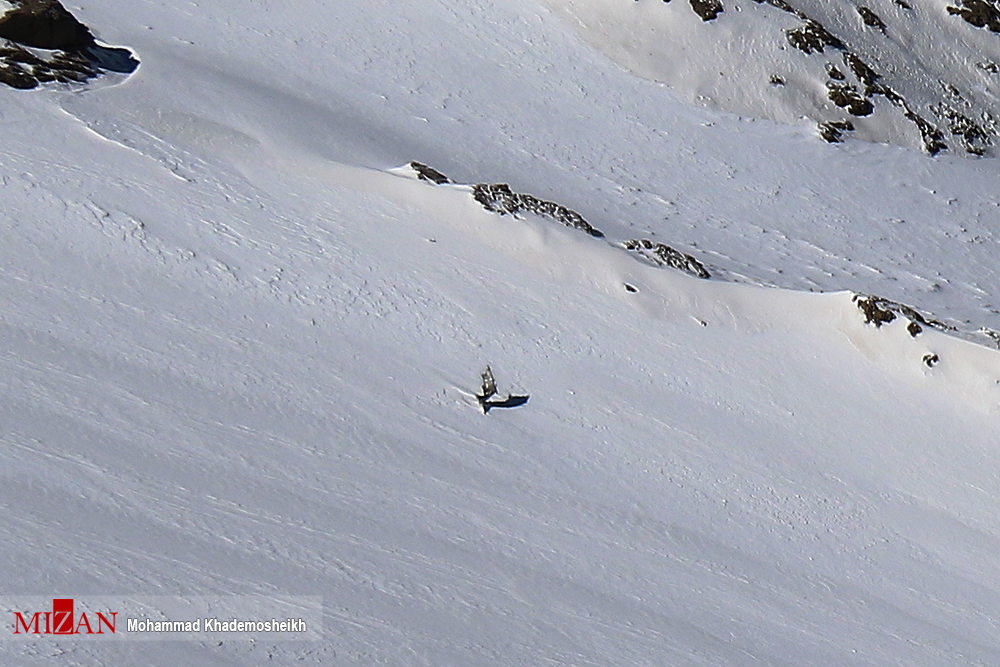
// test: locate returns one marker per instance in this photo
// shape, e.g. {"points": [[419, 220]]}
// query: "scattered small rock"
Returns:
{"points": [[930, 360], [914, 329], [972, 136]]}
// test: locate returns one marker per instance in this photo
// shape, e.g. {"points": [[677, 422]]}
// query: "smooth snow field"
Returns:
{"points": [[241, 343]]}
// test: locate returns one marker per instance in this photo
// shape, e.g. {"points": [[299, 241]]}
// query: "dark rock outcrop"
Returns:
{"points": [[846, 96], [45, 24], [879, 311], [74, 57], [980, 13], [708, 10], [499, 198], [663, 255], [425, 173], [833, 130], [871, 19], [874, 314], [813, 38]]}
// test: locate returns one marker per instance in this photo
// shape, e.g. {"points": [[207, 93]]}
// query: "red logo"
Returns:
{"points": [[60, 621]]}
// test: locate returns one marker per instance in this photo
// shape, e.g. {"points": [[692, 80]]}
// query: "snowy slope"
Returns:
{"points": [[921, 74], [241, 347]]}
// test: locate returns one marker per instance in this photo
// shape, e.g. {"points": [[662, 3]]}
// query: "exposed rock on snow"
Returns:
{"points": [[707, 9], [499, 198], [813, 38], [873, 313], [871, 19], [938, 94], [661, 254], [991, 334], [847, 97], [980, 13], [45, 24], [73, 55], [425, 173], [879, 311], [833, 130]]}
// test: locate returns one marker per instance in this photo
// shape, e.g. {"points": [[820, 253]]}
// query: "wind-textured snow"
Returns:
{"points": [[241, 347]]}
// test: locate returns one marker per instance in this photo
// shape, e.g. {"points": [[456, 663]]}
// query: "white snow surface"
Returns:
{"points": [[240, 349]]}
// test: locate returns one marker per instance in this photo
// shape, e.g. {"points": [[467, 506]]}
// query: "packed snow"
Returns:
{"points": [[243, 342]]}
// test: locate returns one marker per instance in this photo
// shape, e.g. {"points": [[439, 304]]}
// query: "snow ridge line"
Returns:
{"points": [[499, 198]]}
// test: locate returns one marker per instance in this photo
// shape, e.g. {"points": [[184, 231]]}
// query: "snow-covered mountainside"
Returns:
{"points": [[921, 73], [45, 43], [250, 287]]}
